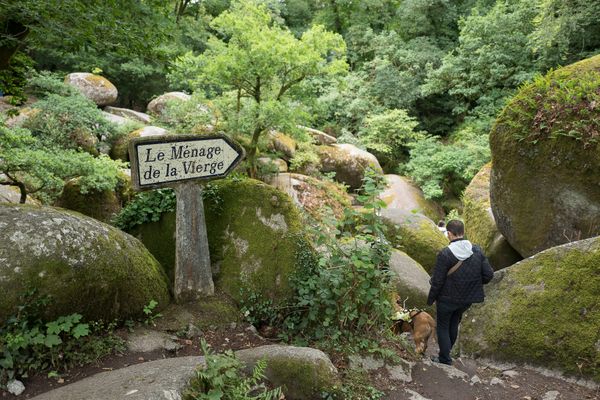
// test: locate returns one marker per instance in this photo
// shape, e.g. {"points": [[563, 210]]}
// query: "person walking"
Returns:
{"points": [[461, 270]]}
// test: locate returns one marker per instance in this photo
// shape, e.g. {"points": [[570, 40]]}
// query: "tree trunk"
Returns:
{"points": [[252, 151]]}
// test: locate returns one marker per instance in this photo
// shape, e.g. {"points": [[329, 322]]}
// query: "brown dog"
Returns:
{"points": [[420, 324]]}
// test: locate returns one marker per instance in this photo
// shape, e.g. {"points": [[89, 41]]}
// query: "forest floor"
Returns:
{"points": [[468, 379]]}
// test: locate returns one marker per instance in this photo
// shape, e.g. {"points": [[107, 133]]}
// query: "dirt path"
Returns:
{"points": [[470, 379]]}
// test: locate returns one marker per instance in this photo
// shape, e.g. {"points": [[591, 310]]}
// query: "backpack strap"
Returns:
{"points": [[453, 269]]}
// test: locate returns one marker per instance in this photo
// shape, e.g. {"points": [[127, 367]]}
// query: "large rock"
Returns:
{"points": [[129, 114], [480, 227], [414, 234], [283, 144], [402, 193], [101, 205], [545, 189], [319, 137], [120, 148], [348, 162], [84, 265], [543, 311], [115, 119], [12, 194], [155, 380], [95, 87], [410, 279], [312, 194], [254, 232], [303, 372], [157, 105]]}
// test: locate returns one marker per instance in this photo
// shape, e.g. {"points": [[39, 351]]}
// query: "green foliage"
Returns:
{"points": [[390, 134], [222, 378], [561, 103], [446, 170], [258, 62], [69, 122], [194, 116], [149, 206], [344, 294], [305, 158], [145, 207], [29, 343], [41, 167], [14, 78], [491, 60], [44, 83], [149, 313]]}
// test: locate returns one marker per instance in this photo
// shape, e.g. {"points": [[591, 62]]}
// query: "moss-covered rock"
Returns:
{"points": [[348, 162], [254, 231], [12, 194], [402, 193], [95, 87], [120, 148], [480, 226], [101, 205], [415, 234], [84, 265], [157, 105], [546, 160], [312, 194], [542, 310], [410, 279], [303, 373], [282, 143]]}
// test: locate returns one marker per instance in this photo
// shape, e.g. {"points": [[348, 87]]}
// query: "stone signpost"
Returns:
{"points": [[180, 161]]}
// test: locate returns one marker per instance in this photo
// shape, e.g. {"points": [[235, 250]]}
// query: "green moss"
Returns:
{"points": [[253, 237], [543, 311], [545, 151], [480, 227], [301, 379], [99, 272], [159, 239], [253, 232], [102, 206], [120, 148], [418, 237]]}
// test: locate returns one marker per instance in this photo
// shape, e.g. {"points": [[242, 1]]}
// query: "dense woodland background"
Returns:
{"points": [[417, 82]]}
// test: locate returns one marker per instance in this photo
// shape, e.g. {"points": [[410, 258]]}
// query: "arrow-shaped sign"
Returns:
{"points": [[163, 160]]}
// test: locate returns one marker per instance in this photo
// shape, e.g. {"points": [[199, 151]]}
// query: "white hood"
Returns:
{"points": [[462, 249]]}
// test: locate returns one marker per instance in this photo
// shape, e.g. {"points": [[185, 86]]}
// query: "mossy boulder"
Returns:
{"points": [[84, 265], [120, 148], [254, 232], [402, 193], [415, 234], [348, 162], [101, 205], [282, 143], [546, 160], [157, 105], [95, 87], [410, 279], [542, 311], [312, 194], [480, 226], [319, 137], [303, 373]]}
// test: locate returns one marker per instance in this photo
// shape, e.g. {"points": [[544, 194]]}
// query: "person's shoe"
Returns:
{"points": [[436, 359]]}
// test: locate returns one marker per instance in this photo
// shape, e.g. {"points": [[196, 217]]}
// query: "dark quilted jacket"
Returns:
{"points": [[465, 285]]}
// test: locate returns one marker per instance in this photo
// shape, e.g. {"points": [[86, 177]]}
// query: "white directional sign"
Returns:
{"points": [[163, 160]]}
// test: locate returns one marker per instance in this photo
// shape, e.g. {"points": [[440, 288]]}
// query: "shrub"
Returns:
{"points": [[343, 294]]}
